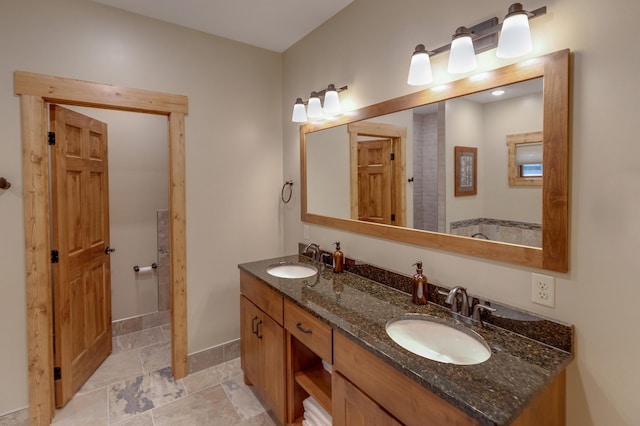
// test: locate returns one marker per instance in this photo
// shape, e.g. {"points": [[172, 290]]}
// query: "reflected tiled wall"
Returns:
{"points": [[163, 260], [506, 231]]}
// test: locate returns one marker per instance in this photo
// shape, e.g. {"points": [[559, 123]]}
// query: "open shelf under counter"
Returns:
{"points": [[316, 381]]}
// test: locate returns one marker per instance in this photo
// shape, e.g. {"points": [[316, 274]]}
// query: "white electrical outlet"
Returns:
{"points": [[543, 290], [305, 229]]}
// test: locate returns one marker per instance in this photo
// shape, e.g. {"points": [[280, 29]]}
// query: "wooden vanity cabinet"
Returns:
{"points": [[282, 348], [262, 343]]}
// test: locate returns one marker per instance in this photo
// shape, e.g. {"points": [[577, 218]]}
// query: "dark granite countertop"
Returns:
{"points": [[493, 392]]}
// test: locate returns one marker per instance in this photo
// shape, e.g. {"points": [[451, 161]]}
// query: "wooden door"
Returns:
{"points": [[80, 234], [352, 407], [374, 181]]}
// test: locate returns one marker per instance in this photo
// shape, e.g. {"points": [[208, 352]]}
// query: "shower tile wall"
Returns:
{"points": [[428, 169], [163, 260]]}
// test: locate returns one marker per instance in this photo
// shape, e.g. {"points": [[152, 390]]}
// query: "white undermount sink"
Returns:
{"points": [[292, 270], [430, 338]]}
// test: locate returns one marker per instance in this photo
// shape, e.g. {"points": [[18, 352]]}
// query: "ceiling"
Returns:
{"points": [[270, 24]]}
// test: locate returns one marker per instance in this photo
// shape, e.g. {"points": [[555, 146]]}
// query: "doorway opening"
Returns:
{"points": [[36, 91]]}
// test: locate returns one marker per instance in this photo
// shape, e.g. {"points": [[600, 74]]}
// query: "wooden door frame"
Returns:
{"points": [[398, 136], [36, 91]]}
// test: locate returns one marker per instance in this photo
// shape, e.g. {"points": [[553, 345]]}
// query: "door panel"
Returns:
{"points": [[374, 181], [80, 230]]}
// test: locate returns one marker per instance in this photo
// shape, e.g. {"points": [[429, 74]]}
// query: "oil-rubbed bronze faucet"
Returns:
{"points": [[452, 299], [316, 251], [462, 312]]}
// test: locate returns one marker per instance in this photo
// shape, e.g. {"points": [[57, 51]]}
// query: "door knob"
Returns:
{"points": [[109, 250]]}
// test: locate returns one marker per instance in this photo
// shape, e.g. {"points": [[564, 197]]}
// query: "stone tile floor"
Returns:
{"points": [[134, 387]]}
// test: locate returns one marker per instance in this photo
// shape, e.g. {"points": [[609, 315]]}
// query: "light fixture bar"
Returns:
{"points": [[485, 33], [314, 105], [321, 93]]}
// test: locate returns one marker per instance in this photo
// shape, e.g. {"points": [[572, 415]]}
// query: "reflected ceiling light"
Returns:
{"points": [[515, 40], [498, 92], [314, 108], [462, 57], [420, 68]]}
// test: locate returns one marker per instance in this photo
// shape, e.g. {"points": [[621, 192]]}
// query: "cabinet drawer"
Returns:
{"points": [[309, 330], [262, 296]]}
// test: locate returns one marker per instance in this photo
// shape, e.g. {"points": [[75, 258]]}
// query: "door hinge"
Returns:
{"points": [[57, 373], [54, 256], [51, 137], [393, 217], [393, 156]]}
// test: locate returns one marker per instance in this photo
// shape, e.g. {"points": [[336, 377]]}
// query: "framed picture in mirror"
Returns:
{"points": [[466, 170]]}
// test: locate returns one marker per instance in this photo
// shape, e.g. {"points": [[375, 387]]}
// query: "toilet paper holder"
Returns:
{"points": [[153, 265]]}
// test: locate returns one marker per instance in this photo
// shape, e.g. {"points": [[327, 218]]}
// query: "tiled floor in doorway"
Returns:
{"points": [[134, 387]]}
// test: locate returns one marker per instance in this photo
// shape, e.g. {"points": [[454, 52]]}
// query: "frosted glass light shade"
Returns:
{"points": [[331, 101], [420, 69], [314, 108], [515, 38], [462, 57], [299, 113]]}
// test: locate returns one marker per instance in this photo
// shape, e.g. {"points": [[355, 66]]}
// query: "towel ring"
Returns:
{"points": [[288, 183]]}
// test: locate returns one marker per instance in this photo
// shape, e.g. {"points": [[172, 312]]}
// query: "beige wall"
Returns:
{"points": [[138, 176], [233, 163], [368, 46]]}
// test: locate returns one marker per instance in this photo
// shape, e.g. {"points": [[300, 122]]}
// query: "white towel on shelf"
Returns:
{"points": [[316, 412], [311, 419]]}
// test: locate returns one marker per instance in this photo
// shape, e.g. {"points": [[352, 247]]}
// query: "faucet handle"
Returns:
{"points": [[477, 308]]}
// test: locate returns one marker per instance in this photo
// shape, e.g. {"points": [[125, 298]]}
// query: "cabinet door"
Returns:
{"points": [[271, 337], [250, 356], [353, 408], [262, 356]]}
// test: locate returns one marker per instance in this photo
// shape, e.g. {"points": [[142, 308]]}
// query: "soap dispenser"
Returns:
{"points": [[338, 259], [419, 285]]}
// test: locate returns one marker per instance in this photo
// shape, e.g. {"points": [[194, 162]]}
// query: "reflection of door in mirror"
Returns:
{"points": [[377, 168], [374, 181]]}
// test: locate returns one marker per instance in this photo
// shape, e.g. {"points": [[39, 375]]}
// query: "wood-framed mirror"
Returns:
{"points": [[329, 179]]}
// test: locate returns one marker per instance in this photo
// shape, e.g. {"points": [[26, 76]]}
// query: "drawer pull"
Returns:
{"points": [[258, 332], [254, 329], [304, 330]]}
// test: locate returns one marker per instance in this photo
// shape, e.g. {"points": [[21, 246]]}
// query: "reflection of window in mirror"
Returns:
{"points": [[525, 159]]}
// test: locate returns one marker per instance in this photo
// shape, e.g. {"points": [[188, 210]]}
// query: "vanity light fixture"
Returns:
{"points": [[514, 41], [462, 57], [331, 101], [515, 38], [314, 108], [299, 112], [420, 68]]}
